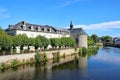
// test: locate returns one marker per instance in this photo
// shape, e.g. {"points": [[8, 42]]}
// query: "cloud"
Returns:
{"points": [[100, 26], [69, 2], [4, 13]]}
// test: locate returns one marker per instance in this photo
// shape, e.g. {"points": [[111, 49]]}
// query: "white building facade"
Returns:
{"points": [[33, 30]]}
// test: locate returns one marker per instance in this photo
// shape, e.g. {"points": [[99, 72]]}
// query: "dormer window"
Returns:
{"points": [[29, 27], [36, 29], [42, 29], [21, 27], [48, 30]]}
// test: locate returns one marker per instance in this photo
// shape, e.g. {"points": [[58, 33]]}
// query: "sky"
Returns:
{"points": [[101, 17]]}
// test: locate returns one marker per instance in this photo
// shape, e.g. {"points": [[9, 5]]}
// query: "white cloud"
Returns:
{"points": [[69, 2], [4, 13], [100, 26]]}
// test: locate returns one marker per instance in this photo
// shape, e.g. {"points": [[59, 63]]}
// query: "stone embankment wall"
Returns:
{"points": [[29, 56]]}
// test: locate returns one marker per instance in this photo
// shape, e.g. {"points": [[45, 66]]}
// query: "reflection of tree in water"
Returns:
{"points": [[25, 73], [42, 72]]}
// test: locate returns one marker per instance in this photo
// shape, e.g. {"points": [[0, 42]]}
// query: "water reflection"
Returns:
{"points": [[86, 67], [46, 72]]}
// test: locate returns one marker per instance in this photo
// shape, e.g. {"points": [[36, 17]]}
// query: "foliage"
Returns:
{"points": [[55, 42], [80, 51], [84, 50], [5, 42], [45, 42], [31, 41], [69, 42], [64, 41], [4, 66], [45, 58], [106, 38], [37, 57], [14, 63], [38, 42], [90, 41], [94, 37], [2, 32]]}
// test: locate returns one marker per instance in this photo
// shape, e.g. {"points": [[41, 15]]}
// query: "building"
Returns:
{"points": [[33, 30], [79, 35]]}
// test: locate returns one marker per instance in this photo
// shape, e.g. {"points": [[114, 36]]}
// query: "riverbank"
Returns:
{"points": [[12, 61]]}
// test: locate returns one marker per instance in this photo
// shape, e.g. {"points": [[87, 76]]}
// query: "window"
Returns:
{"points": [[29, 28], [21, 27], [42, 29], [48, 30], [36, 29]]}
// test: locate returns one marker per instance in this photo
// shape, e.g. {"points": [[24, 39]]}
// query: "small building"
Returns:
{"points": [[79, 35]]}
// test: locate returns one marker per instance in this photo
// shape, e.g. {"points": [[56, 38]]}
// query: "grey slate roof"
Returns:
{"points": [[79, 31], [28, 26]]}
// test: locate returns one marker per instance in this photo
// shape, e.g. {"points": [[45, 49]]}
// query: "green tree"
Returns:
{"points": [[69, 42], [106, 38], [38, 42], [20, 40], [2, 32], [45, 42], [5, 42], [55, 42], [94, 37], [90, 41], [31, 42]]}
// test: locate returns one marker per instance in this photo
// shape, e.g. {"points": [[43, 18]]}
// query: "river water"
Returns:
{"points": [[105, 65]]}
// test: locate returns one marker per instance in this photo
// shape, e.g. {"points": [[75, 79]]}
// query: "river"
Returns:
{"points": [[105, 65]]}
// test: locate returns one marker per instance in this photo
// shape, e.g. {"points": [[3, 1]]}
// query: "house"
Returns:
{"points": [[33, 30], [79, 35]]}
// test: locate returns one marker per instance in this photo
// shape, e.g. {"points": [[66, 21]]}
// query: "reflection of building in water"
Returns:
{"points": [[82, 62]]}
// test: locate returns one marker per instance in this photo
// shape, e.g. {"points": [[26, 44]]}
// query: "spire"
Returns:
{"points": [[71, 25]]}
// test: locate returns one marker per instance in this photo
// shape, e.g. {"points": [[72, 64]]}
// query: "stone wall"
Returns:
{"points": [[27, 57]]}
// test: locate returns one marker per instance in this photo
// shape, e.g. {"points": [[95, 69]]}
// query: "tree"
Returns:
{"points": [[2, 32], [69, 42], [5, 42], [20, 40], [90, 41], [38, 42], [106, 38], [94, 37], [45, 42], [31, 42], [55, 42]]}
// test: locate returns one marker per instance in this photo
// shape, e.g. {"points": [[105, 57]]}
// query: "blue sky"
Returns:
{"points": [[101, 17]]}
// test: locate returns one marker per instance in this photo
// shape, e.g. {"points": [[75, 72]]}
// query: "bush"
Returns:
{"points": [[4, 66], [14, 63], [37, 57], [84, 50], [45, 59]]}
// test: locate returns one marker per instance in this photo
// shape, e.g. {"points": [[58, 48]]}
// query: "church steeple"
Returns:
{"points": [[71, 25]]}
